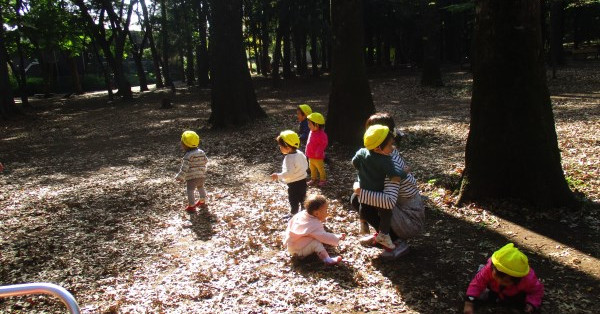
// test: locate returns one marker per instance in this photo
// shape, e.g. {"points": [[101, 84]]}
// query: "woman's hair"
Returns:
{"points": [[314, 202], [386, 119], [282, 143], [500, 274], [382, 118], [320, 126], [386, 140]]}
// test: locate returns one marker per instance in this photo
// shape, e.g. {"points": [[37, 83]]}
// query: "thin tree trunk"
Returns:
{"points": [[7, 102], [202, 57], [104, 71], [512, 149], [557, 57], [431, 75], [265, 39], [155, 56], [350, 101], [233, 101], [165, 43], [75, 75], [22, 77]]}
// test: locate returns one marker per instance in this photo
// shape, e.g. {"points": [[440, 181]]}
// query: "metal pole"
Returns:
{"points": [[42, 288]]}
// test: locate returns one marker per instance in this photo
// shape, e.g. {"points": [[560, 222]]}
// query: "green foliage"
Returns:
{"points": [[574, 184]]}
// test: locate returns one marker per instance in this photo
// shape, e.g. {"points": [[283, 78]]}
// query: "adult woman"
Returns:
{"points": [[408, 211]]}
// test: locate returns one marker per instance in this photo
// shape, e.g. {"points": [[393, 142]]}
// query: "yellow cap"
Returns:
{"points": [[316, 118], [190, 139], [375, 135], [290, 138], [511, 261], [305, 109]]}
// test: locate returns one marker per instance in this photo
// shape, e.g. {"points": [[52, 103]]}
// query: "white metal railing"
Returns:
{"points": [[42, 288]]}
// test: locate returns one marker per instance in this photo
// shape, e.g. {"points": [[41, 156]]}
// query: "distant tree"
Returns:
{"points": [[431, 74], [233, 101], [155, 56], [350, 101], [512, 149], [7, 105]]}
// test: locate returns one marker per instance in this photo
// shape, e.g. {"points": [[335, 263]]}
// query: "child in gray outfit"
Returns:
{"points": [[193, 170]]}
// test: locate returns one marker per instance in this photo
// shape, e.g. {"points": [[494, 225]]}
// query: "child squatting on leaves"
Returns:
{"points": [[193, 170], [506, 279], [303, 131], [374, 163], [293, 170], [315, 148], [305, 233]]}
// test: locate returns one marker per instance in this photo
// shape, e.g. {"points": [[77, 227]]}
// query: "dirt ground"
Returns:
{"points": [[88, 201]]}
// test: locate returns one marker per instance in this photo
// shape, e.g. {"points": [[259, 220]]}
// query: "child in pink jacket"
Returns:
{"points": [[305, 234], [506, 279], [315, 148]]}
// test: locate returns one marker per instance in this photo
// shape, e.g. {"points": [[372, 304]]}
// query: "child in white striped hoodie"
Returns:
{"points": [[193, 170]]}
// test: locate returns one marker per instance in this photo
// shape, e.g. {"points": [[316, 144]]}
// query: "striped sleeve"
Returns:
{"points": [[386, 199]]}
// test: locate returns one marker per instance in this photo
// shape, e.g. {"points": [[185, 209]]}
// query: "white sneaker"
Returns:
{"points": [[385, 240], [401, 249]]}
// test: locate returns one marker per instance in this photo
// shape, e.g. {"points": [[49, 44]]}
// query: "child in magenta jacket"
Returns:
{"points": [[315, 148], [506, 279]]}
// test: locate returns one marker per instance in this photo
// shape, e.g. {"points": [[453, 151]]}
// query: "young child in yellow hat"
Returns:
{"points": [[374, 163], [506, 279], [193, 170], [302, 113], [293, 170], [315, 148]]}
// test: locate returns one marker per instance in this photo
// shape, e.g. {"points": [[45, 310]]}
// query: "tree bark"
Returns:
{"points": [[512, 149], [202, 58], [165, 43], [431, 75], [7, 102], [233, 101], [350, 101], [155, 56]]}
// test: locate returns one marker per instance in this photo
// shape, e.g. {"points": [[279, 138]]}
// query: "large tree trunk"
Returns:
{"points": [[7, 102], [155, 56], [431, 75], [512, 149], [233, 101], [350, 101]]}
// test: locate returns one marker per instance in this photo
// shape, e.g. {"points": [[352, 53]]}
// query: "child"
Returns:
{"points": [[293, 170], [305, 233], [315, 148], [193, 170], [301, 113], [374, 163], [506, 278]]}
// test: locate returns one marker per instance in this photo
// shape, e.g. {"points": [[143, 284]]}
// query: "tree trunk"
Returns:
{"points": [[350, 101], [233, 101], [201, 49], [512, 149], [155, 56], [7, 102], [557, 56], [22, 77], [104, 71], [75, 75], [431, 75], [265, 40], [165, 43]]}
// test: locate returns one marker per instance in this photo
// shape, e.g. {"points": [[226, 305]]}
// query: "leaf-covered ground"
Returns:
{"points": [[88, 201]]}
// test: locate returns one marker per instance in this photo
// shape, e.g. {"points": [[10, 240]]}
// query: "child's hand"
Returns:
{"points": [[529, 308], [396, 179], [469, 309], [274, 176], [179, 179], [343, 237], [356, 188]]}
